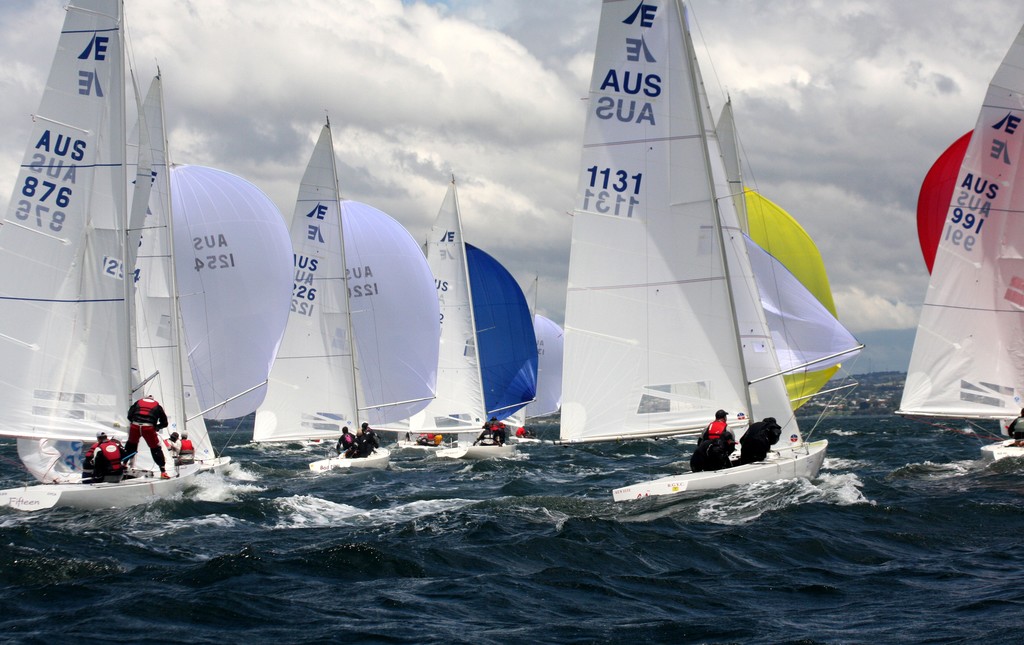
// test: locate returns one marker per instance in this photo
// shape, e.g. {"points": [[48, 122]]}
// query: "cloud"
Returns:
{"points": [[841, 107]]}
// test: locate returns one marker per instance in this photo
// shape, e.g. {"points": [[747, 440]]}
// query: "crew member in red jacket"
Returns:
{"points": [[147, 417], [103, 458]]}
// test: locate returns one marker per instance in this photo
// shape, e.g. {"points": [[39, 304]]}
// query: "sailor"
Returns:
{"points": [[187, 451], [173, 445], [715, 445], [758, 440], [103, 458], [366, 442], [345, 441], [147, 418], [1016, 430]]}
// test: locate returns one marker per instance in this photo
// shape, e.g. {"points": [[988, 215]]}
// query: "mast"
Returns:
{"points": [[696, 83], [344, 280]]}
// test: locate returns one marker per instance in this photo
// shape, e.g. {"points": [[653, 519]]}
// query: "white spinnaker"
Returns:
{"points": [[234, 275], [549, 367], [803, 330]]}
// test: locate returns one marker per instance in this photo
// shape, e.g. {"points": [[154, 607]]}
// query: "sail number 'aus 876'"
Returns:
{"points": [[45, 214], [613, 191]]}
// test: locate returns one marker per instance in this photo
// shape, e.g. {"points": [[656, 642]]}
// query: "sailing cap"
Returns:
{"points": [[101, 435], [721, 414]]}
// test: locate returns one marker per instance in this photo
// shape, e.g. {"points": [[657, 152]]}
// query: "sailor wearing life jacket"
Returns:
{"points": [[147, 417], [103, 458], [186, 452], [715, 445]]}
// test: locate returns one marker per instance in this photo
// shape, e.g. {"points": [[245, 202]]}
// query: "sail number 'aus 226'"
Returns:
{"points": [[613, 191]]}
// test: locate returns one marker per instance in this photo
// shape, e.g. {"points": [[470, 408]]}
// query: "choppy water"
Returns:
{"points": [[904, 537]]}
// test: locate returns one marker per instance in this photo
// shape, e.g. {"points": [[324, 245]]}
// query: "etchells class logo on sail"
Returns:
{"points": [[89, 80], [973, 203]]}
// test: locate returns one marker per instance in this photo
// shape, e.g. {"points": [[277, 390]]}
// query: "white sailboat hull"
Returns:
{"points": [[1001, 450], [129, 492], [804, 462], [478, 452], [378, 460]]}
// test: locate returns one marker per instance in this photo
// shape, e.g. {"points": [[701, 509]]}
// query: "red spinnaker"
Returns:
{"points": [[936, 195]]}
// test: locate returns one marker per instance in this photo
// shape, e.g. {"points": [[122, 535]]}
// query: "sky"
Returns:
{"points": [[841, 107]]}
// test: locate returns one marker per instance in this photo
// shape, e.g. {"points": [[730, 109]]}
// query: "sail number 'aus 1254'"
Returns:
{"points": [[613, 191]]}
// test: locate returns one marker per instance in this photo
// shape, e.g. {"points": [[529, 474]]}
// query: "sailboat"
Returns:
{"points": [[664, 323], [968, 353], [487, 366], [361, 343], [68, 248]]}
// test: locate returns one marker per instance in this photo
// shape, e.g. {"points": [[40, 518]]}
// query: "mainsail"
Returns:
{"points": [[487, 365], [64, 328], [664, 323], [968, 357]]}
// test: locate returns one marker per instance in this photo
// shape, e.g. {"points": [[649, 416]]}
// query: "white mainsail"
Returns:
{"points": [[663, 317], [233, 268], [459, 403], [64, 324], [385, 301], [968, 356]]}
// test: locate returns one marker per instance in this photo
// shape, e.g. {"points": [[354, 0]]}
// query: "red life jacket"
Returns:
{"points": [[716, 428], [111, 452], [145, 412], [187, 453]]}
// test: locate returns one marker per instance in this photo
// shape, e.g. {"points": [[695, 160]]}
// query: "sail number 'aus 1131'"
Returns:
{"points": [[613, 191]]}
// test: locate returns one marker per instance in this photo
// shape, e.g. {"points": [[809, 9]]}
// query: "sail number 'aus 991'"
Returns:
{"points": [[613, 191]]}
